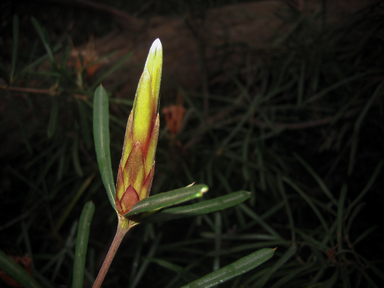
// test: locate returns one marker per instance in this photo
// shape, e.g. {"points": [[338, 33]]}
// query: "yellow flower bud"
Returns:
{"points": [[137, 164]]}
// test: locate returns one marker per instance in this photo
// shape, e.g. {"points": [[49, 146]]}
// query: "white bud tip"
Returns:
{"points": [[156, 45]]}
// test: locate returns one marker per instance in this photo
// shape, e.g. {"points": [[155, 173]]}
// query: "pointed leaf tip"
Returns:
{"points": [[204, 189]]}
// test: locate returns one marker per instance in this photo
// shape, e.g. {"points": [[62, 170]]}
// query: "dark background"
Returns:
{"points": [[289, 113]]}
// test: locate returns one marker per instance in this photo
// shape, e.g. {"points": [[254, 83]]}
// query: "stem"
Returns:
{"points": [[29, 90], [122, 228]]}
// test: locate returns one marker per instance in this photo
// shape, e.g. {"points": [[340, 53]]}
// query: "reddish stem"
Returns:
{"points": [[122, 228], [29, 90]]}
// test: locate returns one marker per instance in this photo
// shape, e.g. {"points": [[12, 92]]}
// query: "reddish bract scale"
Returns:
{"points": [[130, 198]]}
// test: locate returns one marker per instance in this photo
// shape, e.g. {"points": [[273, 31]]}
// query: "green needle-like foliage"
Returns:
{"points": [[296, 127], [102, 140], [82, 245]]}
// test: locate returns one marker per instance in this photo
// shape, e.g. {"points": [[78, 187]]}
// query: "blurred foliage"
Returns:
{"points": [[301, 127]]}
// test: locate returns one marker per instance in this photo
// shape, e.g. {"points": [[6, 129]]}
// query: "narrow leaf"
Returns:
{"points": [[364, 234], [111, 70], [203, 207], [340, 216], [27, 69], [84, 124], [15, 45], [101, 138], [372, 180], [300, 87], [378, 91], [331, 281], [75, 156], [317, 178], [74, 199], [82, 244], [186, 275], [341, 83], [17, 272], [291, 274], [144, 265], [53, 117], [310, 203], [4, 73], [232, 270], [45, 41], [22, 130], [286, 256], [166, 199], [288, 208], [260, 219]]}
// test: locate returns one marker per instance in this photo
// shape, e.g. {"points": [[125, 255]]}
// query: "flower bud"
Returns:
{"points": [[137, 164]]}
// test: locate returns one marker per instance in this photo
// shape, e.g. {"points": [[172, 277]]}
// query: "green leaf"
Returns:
{"points": [[291, 275], [367, 187], [310, 203], [15, 45], [300, 88], [84, 124], [27, 69], [362, 235], [375, 95], [4, 73], [234, 269], [260, 220], [371, 266], [203, 207], [169, 198], [101, 138], [82, 244], [331, 281], [284, 258], [340, 217], [74, 199], [21, 126], [341, 83], [111, 70], [317, 178], [75, 156], [186, 275], [53, 117], [17, 272], [143, 270], [288, 208], [44, 39]]}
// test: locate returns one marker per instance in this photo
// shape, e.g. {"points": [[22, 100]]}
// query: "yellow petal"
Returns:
{"points": [[128, 141], [120, 189], [144, 193], [146, 103], [143, 109], [154, 65], [152, 145]]}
